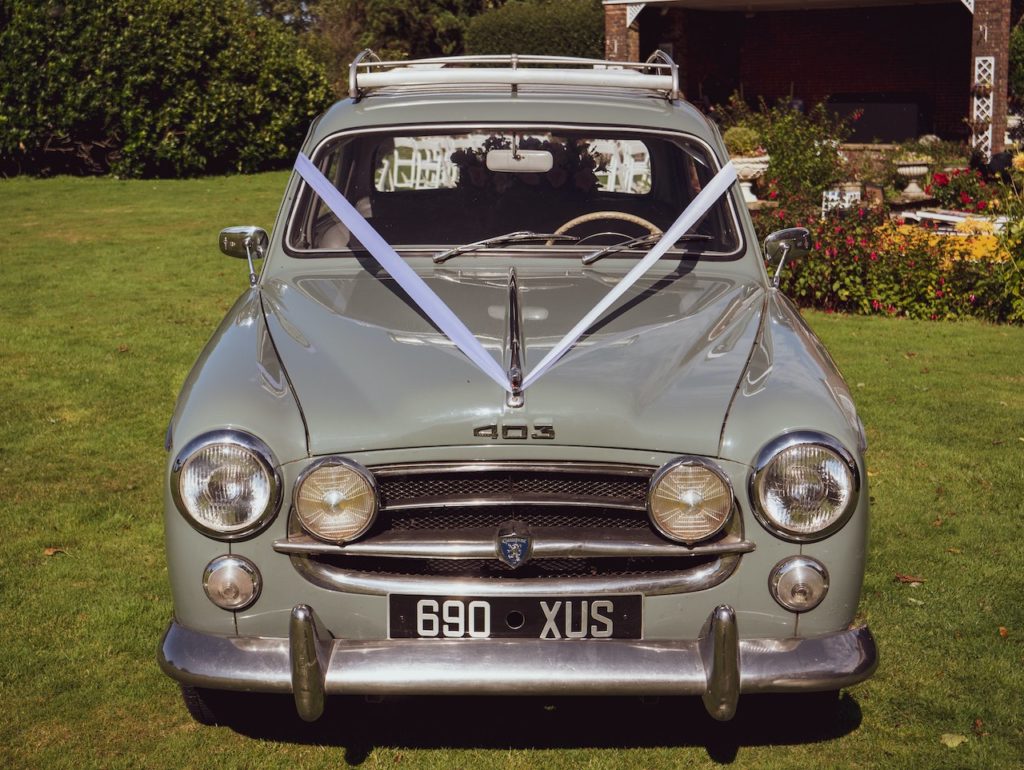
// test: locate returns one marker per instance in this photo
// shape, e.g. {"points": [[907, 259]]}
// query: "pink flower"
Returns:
{"points": [[972, 298], [874, 256], [938, 293]]}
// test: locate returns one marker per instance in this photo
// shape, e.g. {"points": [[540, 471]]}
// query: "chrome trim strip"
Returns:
{"points": [[515, 398], [255, 446], [780, 444], [611, 469], [548, 543], [484, 502], [519, 666], [650, 584]]}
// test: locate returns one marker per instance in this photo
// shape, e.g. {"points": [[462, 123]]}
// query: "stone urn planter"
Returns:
{"points": [[748, 170], [913, 169]]}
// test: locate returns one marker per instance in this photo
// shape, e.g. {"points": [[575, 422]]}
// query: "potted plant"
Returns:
{"points": [[748, 157]]}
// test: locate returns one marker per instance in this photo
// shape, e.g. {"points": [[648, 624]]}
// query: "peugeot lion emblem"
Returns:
{"points": [[513, 544]]}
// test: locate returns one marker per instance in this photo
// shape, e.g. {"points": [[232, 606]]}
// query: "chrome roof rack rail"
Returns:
{"points": [[658, 74]]}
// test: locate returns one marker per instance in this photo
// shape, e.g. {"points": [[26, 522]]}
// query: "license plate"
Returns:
{"points": [[459, 617]]}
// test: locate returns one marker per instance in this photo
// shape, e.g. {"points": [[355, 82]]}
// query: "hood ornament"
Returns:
{"points": [[515, 398], [513, 544]]}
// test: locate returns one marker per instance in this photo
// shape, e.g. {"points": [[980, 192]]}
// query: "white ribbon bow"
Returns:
{"points": [[449, 323]]}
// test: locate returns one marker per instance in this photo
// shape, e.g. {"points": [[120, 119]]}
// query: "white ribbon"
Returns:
{"points": [[442, 315]]}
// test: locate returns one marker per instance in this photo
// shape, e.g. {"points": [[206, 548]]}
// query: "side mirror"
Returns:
{"points": [[246, 242], [786, 244]]}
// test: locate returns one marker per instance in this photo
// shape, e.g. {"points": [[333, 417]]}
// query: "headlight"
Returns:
{"points": [[690, 499], [225, 484], [804, 486], [336, 500]]}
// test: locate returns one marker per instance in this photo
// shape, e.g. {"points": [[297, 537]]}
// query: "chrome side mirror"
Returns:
{"points": [[246, 242], [786, 244]]}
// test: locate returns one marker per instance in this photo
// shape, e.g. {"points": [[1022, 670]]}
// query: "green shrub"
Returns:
{"points": [[741, 140], [1017, 65], [804, 149], [151, 88], [564, 28]]}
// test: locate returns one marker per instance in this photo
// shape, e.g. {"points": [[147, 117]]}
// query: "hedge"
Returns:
{"points": [[151, 88], [563, 28]]}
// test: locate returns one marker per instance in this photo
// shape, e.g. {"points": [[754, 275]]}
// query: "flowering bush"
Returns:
{"points": [[961, 189], [861, 262]]}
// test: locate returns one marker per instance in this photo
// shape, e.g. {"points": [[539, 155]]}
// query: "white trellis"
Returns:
{"points": [[984, 103], [969, 4], [632, 11]]}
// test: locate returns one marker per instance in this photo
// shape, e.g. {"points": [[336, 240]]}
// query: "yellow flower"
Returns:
{"points": [[1018, 161]]}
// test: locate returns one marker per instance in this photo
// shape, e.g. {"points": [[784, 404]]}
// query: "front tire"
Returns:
{"points": [[207, 707]]}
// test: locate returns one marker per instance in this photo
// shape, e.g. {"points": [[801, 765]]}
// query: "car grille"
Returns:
{"points": [[438, 526]]}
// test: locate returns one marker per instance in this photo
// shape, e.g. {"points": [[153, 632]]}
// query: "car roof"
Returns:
{"points": [[550, 91]]}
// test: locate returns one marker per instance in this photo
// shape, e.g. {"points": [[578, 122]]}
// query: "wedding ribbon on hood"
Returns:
{"points": [[449, 323]]}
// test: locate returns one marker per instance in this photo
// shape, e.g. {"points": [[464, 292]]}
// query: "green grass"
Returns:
{"points": [[108, 290]]}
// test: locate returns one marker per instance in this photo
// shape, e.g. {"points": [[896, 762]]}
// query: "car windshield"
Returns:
{"points": [[464, 194]]}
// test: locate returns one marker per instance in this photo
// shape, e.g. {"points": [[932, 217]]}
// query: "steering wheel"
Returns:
{"points": [[596, 215]]}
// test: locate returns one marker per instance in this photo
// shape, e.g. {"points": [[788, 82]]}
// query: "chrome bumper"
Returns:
{"points": [[718, 666]]}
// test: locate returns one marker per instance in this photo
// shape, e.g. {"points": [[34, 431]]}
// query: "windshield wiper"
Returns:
{"points": [[638, 243], [519, 236]]}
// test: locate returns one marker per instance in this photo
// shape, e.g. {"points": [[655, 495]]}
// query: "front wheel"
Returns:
{"points": [[209, 707]]}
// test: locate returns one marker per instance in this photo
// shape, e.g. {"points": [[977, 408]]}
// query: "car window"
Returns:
{"points": [[423, 191]]}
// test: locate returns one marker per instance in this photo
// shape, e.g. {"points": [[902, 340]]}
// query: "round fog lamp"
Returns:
{"points": [[690, 500], [231, 582], [799, 583], [335, 500]]}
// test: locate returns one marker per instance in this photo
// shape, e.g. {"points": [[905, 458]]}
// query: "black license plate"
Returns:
{"points": [[529, 617]]}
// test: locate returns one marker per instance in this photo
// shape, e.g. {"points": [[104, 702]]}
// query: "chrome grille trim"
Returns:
{"points": [[351, 581], [549, 543]]}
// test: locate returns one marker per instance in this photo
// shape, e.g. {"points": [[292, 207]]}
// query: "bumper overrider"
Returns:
{"points": [[717, 666]]}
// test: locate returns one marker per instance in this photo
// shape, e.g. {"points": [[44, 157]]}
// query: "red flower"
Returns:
{"points": [[849, 240], [876, 305], [982, 205], [773, 195], [874, 256], [941, 179], [964, 197], [938, 293]]}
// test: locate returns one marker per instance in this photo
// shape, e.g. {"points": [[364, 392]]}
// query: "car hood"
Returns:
{"points": [[657, 372]]}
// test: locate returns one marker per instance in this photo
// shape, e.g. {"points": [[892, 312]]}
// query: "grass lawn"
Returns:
{"points": [[108, 290]]}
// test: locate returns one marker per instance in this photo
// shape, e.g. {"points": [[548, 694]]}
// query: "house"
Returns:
{"points": [[911, 67]]}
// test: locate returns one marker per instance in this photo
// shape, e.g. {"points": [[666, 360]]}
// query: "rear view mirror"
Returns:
{"points": [[786, 244], [520, 161]]}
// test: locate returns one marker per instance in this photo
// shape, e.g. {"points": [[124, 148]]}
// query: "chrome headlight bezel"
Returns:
{"points": [[780, 444], [264, 457], [351, 465], [667, 468]]}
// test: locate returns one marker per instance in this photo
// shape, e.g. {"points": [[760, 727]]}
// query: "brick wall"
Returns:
{"points": [[621, 43], [920, 53]]}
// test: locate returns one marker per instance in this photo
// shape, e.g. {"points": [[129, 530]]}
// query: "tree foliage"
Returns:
{"points": [[565, 28], [151, 88]]}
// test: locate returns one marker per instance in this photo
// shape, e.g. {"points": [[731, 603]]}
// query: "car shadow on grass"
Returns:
{"points": [[359, 725]]}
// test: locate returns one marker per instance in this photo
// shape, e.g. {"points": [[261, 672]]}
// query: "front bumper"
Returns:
{"points": [[717, 666]]}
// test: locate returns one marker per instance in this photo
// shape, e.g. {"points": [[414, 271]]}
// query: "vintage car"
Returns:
{"points": [[514, 407]]}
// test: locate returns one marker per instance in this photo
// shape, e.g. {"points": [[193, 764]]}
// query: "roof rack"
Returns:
{"points": [[659, 73]]}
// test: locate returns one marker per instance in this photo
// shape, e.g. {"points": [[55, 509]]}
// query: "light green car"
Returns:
{"points": [[513, 407]]}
